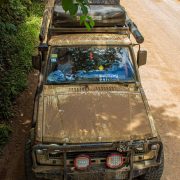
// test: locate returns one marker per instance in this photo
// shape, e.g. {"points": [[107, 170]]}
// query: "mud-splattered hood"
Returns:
{"points": [[91, 113]]}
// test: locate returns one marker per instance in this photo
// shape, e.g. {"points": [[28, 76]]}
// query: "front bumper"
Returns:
{"points": [[65, 172], [48, 172], [53, 172]]}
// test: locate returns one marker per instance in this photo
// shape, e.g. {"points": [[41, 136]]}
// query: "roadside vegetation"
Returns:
{"points": [[19, 29]]}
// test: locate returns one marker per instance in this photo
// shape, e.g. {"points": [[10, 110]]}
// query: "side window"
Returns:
{"points": [[60, 65], [124, 63]]}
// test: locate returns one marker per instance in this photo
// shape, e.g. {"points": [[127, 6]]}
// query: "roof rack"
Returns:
{"points": [[121, 30], [48, 30]]}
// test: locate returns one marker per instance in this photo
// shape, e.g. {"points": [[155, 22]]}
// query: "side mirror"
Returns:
{"points": [[36, 62], [141, 57]]}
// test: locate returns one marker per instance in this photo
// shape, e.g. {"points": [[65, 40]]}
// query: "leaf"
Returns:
{"points": [[87, 25], [91, 21], [72, 6], [86, 2], [84, 9], [82, 19], [73, 9], [67, 4]]}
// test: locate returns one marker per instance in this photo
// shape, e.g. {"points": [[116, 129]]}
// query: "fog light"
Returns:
{"points": [[114, 161], [82, 162]]}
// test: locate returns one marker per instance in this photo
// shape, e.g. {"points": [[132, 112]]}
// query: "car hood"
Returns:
{"points": [[93, 113]]}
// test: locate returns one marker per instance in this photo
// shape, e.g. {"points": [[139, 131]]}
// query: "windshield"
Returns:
{"points": [[89, 64]]}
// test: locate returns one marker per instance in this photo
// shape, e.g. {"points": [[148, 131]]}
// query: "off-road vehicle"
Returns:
{"points": [[91, 117]]}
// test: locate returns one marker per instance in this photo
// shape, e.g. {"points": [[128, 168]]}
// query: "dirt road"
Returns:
{"points": [[159, 21], [12, 161]]}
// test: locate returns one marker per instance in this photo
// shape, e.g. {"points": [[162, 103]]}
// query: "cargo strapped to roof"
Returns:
{"points": [[125, 26], [103, 16]]}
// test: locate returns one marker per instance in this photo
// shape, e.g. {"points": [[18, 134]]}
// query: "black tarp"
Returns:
{"points": [[103, 15]]}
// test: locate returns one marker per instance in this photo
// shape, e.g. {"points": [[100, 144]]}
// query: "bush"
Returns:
{"points": [[19, 29]]}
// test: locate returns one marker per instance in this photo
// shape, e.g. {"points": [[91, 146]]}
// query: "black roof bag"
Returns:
{"points": [[104, 15]]}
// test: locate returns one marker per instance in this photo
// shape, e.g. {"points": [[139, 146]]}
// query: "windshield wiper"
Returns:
{"points": [[91, 82], [125, 82]]}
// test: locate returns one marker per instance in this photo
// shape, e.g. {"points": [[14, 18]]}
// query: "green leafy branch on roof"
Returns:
{"points": [[73, 6]]}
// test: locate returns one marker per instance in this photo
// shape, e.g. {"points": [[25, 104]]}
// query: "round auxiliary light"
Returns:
{"points": [[114, 161], [82, 162]]}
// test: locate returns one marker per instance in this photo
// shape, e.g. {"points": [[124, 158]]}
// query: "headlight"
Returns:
{"points": [[49, 158], [114, 161], [39, 152]]}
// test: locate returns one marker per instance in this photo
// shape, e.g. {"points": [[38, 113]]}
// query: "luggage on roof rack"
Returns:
{"points": [[117, 21], [104, 12]]}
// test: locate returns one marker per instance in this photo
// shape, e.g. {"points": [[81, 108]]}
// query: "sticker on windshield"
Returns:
{"points": [[54, 58], [110, 77], [101, 68]]}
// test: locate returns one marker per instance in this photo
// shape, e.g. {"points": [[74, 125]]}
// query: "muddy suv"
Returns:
{"points": [[91, 117]]}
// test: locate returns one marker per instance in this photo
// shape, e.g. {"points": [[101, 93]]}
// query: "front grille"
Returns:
{"points": [[55, 155], [98, 158], [92, 154]]}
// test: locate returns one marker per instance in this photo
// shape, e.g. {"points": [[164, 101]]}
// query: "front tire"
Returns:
{"points": [[28, 161]]}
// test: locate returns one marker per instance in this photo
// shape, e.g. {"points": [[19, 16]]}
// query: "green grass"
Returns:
{"points": [[20, 45]]}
